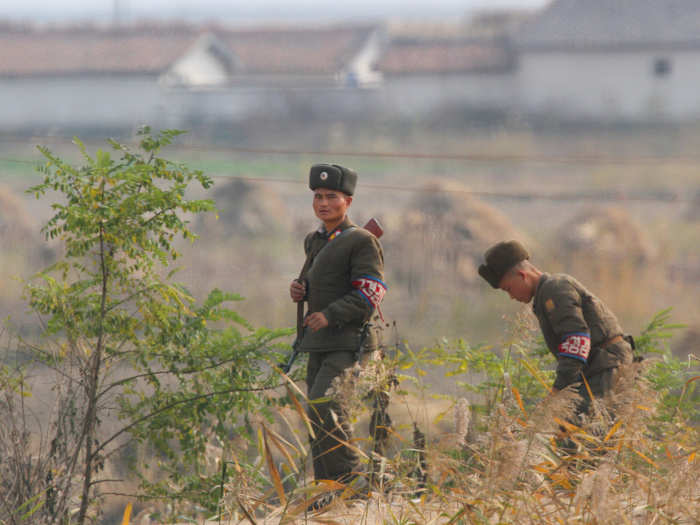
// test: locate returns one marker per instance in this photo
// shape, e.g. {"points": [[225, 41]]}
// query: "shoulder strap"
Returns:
{"points": [[300, 305], [307, 264]]}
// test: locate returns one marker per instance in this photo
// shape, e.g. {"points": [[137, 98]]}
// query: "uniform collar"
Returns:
{"points": [[347, 223], [543, 278]]}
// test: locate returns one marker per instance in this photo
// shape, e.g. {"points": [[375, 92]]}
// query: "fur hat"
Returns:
{"points": [[333, 177], [500, 258]]}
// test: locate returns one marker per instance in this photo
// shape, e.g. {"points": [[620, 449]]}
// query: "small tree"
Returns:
{"points": [[122, 338]]}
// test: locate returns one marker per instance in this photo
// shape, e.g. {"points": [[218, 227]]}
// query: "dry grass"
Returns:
{"points": [[514, 469], [506, 469]]}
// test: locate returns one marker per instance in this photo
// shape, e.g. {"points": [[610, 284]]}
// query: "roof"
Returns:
{"points": [[90, 51], [323, 50], [617, 24], [407, 57], [152, 50]]}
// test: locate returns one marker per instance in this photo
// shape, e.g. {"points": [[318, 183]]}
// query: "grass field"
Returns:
{"points": [[531, 183]]}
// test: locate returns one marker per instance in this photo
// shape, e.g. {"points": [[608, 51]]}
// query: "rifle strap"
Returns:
{"points": [[307, 264], [300, 305]]}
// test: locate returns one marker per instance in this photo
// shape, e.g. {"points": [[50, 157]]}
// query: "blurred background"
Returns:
{"points": [[572, 125]]}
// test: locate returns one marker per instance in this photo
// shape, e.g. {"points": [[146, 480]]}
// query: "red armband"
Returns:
{"points": [[577, 345], [371, 288]]}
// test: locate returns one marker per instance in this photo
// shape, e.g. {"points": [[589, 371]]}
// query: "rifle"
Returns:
{"points": [[374, 228], [286, 367]]}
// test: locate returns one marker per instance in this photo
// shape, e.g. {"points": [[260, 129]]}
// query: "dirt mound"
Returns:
{"points": [[247, 209], [688, 344], [444, 232], [24, 246], [605, 232], [17, 227], [692, 213]]}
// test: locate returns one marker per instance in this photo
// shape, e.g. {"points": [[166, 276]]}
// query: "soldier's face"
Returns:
{"points": [[330, 205], [517, 286]]}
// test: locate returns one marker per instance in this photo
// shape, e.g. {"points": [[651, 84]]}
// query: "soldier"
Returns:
{"points": [[580, 331], [343, 283]]}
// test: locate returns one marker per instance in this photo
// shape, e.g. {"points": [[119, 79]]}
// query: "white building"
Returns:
{"points": [[611, 60], [174, 76], [424, 76], [595, 60]]}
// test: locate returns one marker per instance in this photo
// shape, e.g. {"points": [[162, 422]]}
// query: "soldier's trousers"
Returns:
{"points": [[332, 459], [600, 384]]}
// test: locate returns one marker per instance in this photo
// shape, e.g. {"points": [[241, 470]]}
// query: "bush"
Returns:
{"points": [[123, 339]]}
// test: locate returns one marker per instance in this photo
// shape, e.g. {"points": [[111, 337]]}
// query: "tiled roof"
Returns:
{"points": [[151, 51], [586, 24], [33, 53], [444, 57], [295, 51]]}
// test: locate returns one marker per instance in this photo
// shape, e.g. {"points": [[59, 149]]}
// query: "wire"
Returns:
{"points": [[669, 197], [617, 196], [465, 157], [663, 197]]}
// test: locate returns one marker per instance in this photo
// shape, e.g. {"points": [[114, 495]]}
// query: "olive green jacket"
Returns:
{"points": [[345, 283], [577, 328]]}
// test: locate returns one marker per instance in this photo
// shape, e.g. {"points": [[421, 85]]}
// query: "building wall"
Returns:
{"points": [[128, 102], [79, 100], [611, 86], [605, 87], [421, 95], [124, 102]]}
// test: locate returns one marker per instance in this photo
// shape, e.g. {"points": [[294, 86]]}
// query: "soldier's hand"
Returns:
{"points": [[297, 291], [316, 321]]}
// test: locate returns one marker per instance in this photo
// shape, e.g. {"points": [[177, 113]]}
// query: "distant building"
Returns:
{"points": [[595, 60], [425, 75], [277, 56], [611, 60], [85, 76], [172, 75]]}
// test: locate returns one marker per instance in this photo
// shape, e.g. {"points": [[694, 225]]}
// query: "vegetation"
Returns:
{"points": [[511, 454], [123, 340], [186, 391]]}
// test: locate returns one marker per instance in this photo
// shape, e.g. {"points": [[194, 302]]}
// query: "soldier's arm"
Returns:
{"points": [[368, 288], [563, 307], [297, 288], [307, 243]]}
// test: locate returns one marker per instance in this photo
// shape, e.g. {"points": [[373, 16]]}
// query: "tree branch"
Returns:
{"points": [[173, 405]]}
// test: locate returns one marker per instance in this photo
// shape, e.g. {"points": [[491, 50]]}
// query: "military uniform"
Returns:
{"points": [[344, 282], [580, 331], [582, 334]]}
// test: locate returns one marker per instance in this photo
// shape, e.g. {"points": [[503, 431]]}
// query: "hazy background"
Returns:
{"points": [[572, 126], [237, 11]]}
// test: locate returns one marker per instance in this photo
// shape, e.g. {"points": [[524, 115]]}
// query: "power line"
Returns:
{"points": [[478, 157], [670, 197], [618, 196], [467, 157]]}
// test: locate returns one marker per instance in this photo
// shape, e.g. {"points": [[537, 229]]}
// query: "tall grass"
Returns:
{"points": [[499, 451]]}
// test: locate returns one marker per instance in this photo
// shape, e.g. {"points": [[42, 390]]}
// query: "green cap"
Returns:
{"points": [[333, 177], [500, 258]]}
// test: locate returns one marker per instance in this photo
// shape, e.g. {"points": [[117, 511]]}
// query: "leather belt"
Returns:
{"points": [[612, 341]]}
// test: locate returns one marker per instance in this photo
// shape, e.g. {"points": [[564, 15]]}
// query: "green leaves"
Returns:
{"points": [[481, 369], [135, 204], [668, 374], [188, 373]]}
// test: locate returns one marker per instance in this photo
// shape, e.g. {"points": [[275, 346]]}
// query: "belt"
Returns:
{"points": [[612, 341]]}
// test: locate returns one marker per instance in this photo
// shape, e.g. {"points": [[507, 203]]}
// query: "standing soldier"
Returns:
{"points": [[342, 281], [580, 331]]}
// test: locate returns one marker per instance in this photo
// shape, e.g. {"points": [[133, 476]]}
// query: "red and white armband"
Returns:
{"points": [[371, 289], [576, 345]]}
